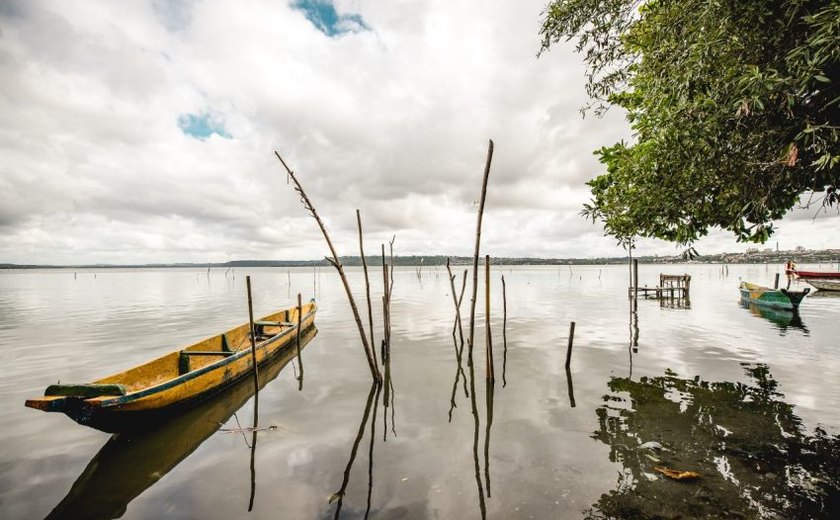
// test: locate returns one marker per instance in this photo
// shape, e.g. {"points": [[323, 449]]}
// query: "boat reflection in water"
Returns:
{"points": [[130, 463], [782, 318], [754, 457]]}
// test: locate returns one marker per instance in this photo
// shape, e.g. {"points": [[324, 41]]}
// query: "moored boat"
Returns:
{"points": [[825, 285], [774, 298], [131, 462], [143, 395], [832, 275]]}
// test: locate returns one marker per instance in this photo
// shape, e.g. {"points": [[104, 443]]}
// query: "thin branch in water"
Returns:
{"points": [[456, 302], [367, 283], [335, 262], [478, 249]]}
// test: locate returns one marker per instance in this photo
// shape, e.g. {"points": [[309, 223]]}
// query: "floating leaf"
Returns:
{"points": [[676, 474]]}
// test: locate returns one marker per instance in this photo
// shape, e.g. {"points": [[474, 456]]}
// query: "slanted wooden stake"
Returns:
{"points": [[569, 348], [367, 283], [253, 342], [490, 372], [335, 262], [478, 248]]}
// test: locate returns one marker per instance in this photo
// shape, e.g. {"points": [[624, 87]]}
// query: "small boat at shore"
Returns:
{"points": [[808, 275], [825, 285], [774, 298], [146, 394]]}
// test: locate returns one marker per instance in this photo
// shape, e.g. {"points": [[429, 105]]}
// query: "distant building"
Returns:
{"points": [[800, 249]]}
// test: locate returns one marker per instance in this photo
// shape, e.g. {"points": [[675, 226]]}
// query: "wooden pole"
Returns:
{"points": [[386, 304], [635, 280], [367, 283], [491, 376], [776, 284], [569, 347], [504, 331], [253, 343], [297, 342], [478, 247], [335, 262]]}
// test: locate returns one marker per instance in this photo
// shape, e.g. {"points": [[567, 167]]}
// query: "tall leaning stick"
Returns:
{"points": [[478, 247], [374, 369]]}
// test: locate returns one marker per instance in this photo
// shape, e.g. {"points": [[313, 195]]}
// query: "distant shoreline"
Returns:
{"points": [[750, 257]]}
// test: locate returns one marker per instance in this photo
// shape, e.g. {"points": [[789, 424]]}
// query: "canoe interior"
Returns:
{"points": [[167, 367]]}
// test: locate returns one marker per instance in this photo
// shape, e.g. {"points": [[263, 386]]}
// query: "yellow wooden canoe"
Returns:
{"points": [[131, 462], [148, 393]]}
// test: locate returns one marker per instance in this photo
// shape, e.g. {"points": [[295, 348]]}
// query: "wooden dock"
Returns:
{"points": [[671, 286]]}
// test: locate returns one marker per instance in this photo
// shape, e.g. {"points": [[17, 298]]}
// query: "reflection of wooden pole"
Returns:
{"points": [[491, 376], [569, 347], [478, 247], [300, 361], [253, 339]]}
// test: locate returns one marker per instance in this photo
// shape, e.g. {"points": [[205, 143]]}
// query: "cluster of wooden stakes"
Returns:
{"points": [[387, 273]]}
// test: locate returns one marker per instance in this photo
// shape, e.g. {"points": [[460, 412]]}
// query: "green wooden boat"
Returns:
{"points": [[773, 298]]}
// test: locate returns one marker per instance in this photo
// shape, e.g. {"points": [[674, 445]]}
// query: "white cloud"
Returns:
{"points": [[394, 121]]}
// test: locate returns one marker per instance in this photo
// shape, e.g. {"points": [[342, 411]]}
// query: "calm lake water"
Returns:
{"points": [[747, 399]]}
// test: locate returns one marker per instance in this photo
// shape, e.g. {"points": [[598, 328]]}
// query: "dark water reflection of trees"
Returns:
{"points": [[755, 457]]}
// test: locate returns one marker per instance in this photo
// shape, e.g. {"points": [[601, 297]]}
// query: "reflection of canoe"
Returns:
{"points": [[145, 394], [782, 318], [775, 298], [131, 462], [825, 285], [818, 274]]}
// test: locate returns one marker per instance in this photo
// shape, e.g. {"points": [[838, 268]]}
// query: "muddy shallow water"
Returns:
{"points": [[743, 397]]}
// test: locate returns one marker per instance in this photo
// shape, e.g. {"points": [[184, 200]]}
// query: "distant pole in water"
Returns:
{"points": [[569, 347], [491, 376], [776, 283], [253, 341]]}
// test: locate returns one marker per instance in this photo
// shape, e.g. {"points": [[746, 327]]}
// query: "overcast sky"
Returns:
{"points": [[144, 132]]}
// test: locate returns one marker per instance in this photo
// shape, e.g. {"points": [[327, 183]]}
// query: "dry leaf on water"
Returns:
{"points": [[676, 474]]}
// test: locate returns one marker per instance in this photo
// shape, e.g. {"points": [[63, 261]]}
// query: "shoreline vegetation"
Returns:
{"points": [[752, 256]]}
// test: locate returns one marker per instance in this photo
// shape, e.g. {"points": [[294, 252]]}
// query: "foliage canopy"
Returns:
{"points": [[734, 106]]}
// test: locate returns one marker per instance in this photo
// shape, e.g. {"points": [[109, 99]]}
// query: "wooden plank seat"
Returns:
{"points": [[259, 326], [184, 357]]}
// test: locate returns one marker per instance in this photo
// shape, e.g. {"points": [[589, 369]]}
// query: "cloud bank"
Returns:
{"points": [[144, 132]]}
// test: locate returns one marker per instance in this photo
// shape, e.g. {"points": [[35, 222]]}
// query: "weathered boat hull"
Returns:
{"points": [[825, 285], [166, 386], [772, 298]]}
